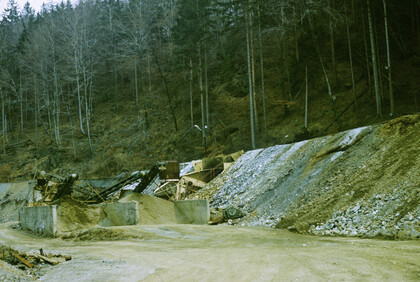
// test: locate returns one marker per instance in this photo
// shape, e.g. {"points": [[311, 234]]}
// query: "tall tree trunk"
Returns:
{"points": [[21, 100], [417, 16], [88, 126], [145, 115], [136, 90], [332, 7], [374, 64], [56, 109], [200, 75], [251, 41], [4, 123], [388, 56], [71, 122], [306, 97], [115, 86], [285, 62], [149, 75], [26, 103], [262, 76], [378, 59], [79, 98], [114, 57], [353, 83], [184, 67], [191, 94], [114, 68], [87, 84], [206, 87], [48, 106], [72, 136], [294, 34], [36, 110], [248, 51], [366, 50]]}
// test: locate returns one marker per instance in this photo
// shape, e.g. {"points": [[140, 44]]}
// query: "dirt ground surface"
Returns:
{"points": [[217, 253]]}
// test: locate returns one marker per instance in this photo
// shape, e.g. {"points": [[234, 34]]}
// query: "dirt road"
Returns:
{"points": [[220, 253]]}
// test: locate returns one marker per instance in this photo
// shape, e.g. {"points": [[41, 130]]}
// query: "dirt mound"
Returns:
{"points": [[103, 234], [152, 210], [75, 215], [81, 221], [361, 182]]}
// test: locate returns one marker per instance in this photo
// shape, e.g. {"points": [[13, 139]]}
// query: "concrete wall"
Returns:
{"points": [[119, 214], [45, 220], [41, 220], [52, 220], [192, 212]]}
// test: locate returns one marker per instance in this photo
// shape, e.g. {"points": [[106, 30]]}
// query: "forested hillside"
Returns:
{"points": [[106, 85]]}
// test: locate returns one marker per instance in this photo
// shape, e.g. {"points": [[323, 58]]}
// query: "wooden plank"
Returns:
{"points": [[22, 260], [46, 259]]}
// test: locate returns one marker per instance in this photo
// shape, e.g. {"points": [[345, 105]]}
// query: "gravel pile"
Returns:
{"points": [[381, 216], [363, 182]]}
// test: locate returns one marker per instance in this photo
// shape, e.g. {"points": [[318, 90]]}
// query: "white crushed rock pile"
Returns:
{"points": [[380, 216]]}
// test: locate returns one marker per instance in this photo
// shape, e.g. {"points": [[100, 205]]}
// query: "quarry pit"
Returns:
{"points": [[340, 207]]}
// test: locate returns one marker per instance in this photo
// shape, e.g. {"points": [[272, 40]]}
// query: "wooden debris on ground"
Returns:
{"points": [[24, 261], [50, 259], [30, 260]]}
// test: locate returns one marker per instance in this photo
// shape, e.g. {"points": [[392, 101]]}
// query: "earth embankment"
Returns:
{"points": [[362, 182]]}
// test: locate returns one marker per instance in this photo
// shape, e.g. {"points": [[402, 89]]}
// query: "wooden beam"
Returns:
{"points": [[22, 260]]}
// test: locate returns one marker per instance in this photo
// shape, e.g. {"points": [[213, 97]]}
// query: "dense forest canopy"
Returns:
{"points": [[235, 72]]}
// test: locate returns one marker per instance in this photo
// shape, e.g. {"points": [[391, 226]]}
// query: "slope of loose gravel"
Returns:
{"points": [[362, 182]]}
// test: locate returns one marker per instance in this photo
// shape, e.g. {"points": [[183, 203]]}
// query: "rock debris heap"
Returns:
{"points": [[363, 182]]}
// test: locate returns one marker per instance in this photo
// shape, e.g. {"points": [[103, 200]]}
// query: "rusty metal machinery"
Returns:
{"points": [[53, 187]]}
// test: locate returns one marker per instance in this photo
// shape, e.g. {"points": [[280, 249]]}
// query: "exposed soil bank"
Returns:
{"points": [[363, 182]]}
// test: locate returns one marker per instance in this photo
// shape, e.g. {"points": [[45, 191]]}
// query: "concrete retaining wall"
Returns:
{"points": [[119, 214], [192, 212], [49, 220], [42, 219]]}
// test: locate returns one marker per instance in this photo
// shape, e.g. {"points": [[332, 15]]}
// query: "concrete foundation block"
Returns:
{"points": [[41, 219], [192, 212], [119, 214]]}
